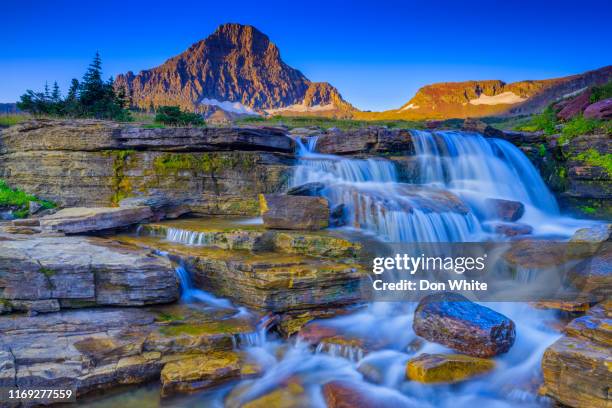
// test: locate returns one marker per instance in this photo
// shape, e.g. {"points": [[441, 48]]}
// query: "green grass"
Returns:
{"points": [[16, 198], [602, 92], [13, 119], [579, 126], [326, 123], [545, 121]]}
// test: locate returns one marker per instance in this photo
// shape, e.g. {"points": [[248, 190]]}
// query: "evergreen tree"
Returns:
{"points": [[56, 95]]}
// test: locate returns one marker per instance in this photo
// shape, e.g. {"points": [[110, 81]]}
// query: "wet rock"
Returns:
{"points": [[80, 219], [576, 368], [201, 372], [347, 394], [291, 394], [452, 320], [599, 110], [81, 269], [337, 216], [593, 276], [294, 212], [512, 229], [20, 229], [26, 222], [446, 368], [308, 189], [505, 210], [597, 234]]}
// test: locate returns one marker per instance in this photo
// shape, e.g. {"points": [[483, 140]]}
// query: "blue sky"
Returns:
{"points": [[377, 53]]}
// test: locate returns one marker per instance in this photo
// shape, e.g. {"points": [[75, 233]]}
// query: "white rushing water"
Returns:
{"points": [[473, 169]]}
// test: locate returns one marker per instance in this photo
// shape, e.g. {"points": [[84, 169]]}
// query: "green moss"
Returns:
{"points": [[344, 124], [48, 272], [168, 317], [173, 163], [545, 121], [588, 210], [542, 150], [17, 198], [121, 185], [593, 158]]}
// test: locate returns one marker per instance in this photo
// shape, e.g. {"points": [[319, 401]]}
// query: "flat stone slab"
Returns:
{"points": [[87, 350], [83, 219], [82, 271]]}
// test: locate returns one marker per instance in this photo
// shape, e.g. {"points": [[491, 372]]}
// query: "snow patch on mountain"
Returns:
{"points": [[502, 98], [228, 106]]}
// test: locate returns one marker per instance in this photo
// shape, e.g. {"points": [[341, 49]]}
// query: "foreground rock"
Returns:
{"points": [[576, 368], [101, 348], [271, 280], [205, 371], [45, 273], [453, 321], [294, 212], [347, 394], [505, 210], [79, 219], [597, 234], [599, 110], [446, 368]]}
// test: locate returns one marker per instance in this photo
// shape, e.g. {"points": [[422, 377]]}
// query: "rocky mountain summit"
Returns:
{"points": [[236, 68]]}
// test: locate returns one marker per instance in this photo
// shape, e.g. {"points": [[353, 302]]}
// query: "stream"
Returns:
{"points": [[376, 203]]}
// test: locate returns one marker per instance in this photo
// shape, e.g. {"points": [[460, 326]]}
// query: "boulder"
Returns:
{"points": [[512, 229], [308, 189], [505, 210], [599, 110], [290, 394], [575, 106], [162, 207], [446, 368], [597, 234], [576, 368], [294, 212], [206, 371], [83, 271], [349, 394], [81, 219], [454, 321], [33, 207]]}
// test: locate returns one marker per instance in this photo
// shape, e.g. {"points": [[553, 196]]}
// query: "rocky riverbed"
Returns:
{"points": [[176, 259]]}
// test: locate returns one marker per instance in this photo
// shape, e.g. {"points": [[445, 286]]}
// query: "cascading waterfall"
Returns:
{"points": [[374, 200]]}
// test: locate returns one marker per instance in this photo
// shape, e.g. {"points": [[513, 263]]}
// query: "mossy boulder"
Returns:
{"points": [[446, 368]]}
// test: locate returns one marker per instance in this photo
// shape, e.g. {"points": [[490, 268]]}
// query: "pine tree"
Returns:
{"points": [[56, 95], [47, 95]]}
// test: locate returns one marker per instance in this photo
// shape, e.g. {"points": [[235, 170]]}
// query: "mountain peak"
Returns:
{"points": [[235, 64]]}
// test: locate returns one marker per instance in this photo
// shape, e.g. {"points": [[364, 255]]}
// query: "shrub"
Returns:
{"points": [[578, 126], [546, 121], [172, 115], [17, 198], [599, 93]]}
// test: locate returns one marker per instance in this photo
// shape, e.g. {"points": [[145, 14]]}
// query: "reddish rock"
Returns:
{"points": [[512, 229], [599, 110], [345, 394], [458, 323], [505, 210], [575, 106]]}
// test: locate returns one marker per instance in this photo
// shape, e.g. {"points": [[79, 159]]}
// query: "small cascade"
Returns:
{"points": [[191, 294], [350, 352], [186, 237], [257, 338]]}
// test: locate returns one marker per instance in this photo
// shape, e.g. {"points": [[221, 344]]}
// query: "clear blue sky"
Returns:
{"points": [[377, 53]]}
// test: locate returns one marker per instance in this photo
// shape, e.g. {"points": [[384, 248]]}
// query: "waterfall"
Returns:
{"points": [[375, 201], [452, 165], [476, 168]]}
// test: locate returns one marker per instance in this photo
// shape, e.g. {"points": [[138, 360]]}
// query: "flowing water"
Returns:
{"points": [[375, 201]]}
